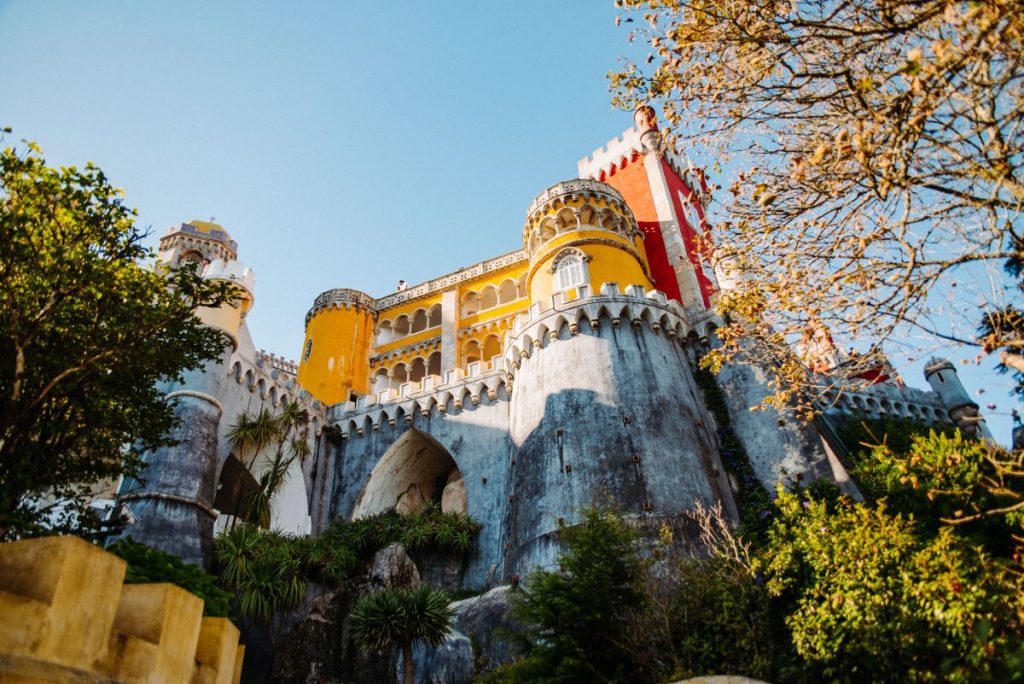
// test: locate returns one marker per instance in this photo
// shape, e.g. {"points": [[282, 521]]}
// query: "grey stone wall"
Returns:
{"points": [[477, 439], [610, 412]]}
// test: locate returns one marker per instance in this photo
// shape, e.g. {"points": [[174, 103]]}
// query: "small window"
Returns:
{"points": [[308, 351], [569, 273]]}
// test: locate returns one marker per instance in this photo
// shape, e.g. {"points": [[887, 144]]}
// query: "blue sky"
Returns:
{"points": [[342, 144]]}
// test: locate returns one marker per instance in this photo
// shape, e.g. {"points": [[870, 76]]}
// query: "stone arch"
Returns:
{"points": [[434, 316], [401, 326], [470, 304], [385, 333], [399, 375], [488, 297], [381, 381], [491, 348], [507, 291], [417, 369], [434, 364], [415, 471], [419, 321], [471, 352]]}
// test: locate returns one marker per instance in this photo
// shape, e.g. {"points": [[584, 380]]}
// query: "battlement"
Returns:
{"points": [[604, 158], [265, 359], [345, 297], [573, 187], [68, 617], [888, 401], [273, 379], [494, 378], [203, 230]]}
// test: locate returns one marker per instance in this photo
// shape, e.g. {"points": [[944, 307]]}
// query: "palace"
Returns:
{"points": [[518, 389]]}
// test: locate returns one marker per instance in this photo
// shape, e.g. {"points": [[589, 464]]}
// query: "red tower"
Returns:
{"points": [[668, 201]]}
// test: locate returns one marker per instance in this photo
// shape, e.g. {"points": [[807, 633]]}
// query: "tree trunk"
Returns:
{"points": [[407, 662]]}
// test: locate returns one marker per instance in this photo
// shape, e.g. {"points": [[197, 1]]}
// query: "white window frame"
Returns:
{"points": [[577, 263]]}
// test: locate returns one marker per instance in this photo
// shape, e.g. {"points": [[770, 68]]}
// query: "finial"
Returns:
{"points": [[645, 118], [647, 125]]}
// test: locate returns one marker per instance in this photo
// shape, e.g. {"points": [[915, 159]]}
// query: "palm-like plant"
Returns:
{"points": [[402, 617], [288, 433]]}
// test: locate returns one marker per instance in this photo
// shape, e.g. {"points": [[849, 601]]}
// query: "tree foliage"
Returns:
{"points": [[146, 564], [86, 333], [268, 570], [402, 617], [577, 617], [878, 149]]}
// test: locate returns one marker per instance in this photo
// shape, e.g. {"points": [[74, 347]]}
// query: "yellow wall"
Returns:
{"points": [[609, 263], [339, 360]]}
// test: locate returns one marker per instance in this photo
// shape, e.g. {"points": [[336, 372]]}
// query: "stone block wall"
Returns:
{"points": [[67, 616]]}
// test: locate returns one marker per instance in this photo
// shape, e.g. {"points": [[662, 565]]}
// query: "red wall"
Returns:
{"points": [[675, 187], [631, 180]]}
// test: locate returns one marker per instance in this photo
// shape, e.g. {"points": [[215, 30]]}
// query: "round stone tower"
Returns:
{"points": [[963, 411], [173, 507], [604, 406], [336, 351]]}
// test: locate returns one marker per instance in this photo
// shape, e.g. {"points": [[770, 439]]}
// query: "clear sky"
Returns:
{"points": [[342, 144]]}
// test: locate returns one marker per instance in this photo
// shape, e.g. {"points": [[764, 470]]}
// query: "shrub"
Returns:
{"points": [[146, 564]]}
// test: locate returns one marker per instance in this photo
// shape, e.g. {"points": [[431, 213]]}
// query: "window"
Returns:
{"points": [[309, 350], [569, 272]]}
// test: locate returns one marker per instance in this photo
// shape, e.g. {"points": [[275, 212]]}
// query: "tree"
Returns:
{"points": [[402, 617], [577, 619], [86, 333], [879, 145], [288, 434]]}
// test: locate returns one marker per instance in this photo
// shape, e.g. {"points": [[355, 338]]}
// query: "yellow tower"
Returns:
{"points": [[580, 232], [335, 354]]}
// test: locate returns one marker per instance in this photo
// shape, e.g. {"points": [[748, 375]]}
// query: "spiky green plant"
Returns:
{"points": [[403, 618]]}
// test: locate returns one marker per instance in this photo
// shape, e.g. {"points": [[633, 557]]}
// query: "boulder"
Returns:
{"points": [[453, 498], [391, 568], [475, 646], [449, 663]]}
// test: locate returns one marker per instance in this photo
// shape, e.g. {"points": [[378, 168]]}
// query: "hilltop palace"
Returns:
{"points": [[518, 389]]}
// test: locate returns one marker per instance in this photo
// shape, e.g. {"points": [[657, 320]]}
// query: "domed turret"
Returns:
{"points": [[580, 232]]}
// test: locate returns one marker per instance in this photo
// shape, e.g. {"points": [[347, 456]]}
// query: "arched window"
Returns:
{"points": [[419, 321], [434, 317], [570, 270]]}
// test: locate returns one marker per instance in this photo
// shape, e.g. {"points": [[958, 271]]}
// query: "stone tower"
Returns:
{"points": [[173, 509], [942, 376], [604, 405]]}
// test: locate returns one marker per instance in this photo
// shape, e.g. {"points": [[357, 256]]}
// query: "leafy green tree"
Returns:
{"points": [[878, 150], [402, 617], [265, 569], [872, 598], [86, 333], [577, 619]]}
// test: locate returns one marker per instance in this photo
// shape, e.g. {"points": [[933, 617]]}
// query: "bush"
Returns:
{"points": [[268, 571], [577, 618], [146, 564]]}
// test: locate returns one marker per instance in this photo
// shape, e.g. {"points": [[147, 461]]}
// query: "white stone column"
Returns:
{"points": [[449, 330]]}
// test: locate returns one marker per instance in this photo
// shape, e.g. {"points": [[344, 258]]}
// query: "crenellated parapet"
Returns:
{"points": [[68, 616], [265, 359], [341, 298], [433, 395], [492, 379], [273, 380]]}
